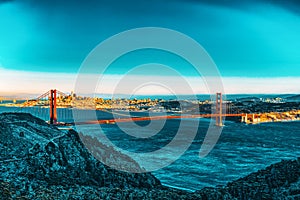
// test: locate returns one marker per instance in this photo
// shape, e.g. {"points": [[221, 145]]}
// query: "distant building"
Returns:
{"points": [[73, 94]]}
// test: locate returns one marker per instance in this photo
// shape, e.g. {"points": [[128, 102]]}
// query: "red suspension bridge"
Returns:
{"points": [[52, 101], [49, 101]]}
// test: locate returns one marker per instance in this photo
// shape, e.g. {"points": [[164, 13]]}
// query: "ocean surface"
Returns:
{"points": [[240, 150]]}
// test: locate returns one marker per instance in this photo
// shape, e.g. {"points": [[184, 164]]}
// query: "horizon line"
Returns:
{"points": [[23, 96]]}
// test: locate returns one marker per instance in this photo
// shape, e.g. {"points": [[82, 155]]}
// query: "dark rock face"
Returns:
{"points": [[38, 161], [278, 181], [43, 157]]}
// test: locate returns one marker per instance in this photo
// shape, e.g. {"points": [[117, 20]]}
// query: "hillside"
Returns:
{"points": [[39, 161], [293, 98]]}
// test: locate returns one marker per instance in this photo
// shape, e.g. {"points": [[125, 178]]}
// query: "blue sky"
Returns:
{"points": [[250, 39]]}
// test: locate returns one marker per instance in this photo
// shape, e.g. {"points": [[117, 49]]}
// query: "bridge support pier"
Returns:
{"points": [[253, 119], [53, 114], [245, 118], [219, 101]]}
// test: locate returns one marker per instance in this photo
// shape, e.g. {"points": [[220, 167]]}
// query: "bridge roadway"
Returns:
{"points": [[111, 121]]}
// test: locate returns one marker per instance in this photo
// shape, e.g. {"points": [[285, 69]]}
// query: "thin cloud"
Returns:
{"points": [[20, 82]]}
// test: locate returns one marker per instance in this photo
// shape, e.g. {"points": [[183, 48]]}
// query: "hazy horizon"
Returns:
{"points": [[26, 96]]}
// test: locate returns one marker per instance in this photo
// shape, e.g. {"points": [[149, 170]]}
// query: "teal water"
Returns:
{"points": [[241, 149]]}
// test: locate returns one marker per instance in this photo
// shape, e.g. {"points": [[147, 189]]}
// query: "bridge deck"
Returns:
{"points": [[109, 121]]}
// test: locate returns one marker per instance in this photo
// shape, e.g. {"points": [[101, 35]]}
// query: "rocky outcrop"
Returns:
{"points": [[275, 182], [278, 181], [35, 156], [39, 161]]}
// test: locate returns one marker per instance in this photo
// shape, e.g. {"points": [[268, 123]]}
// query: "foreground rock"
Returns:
{"points": [[278, 181], [35, 156], [38, 161]]}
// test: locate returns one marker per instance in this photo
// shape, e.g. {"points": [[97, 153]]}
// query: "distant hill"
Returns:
{"points": [[248, 99], [293, 98]]}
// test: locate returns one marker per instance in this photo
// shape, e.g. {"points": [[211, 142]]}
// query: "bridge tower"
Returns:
{"points": [[219, 101], [53, 114]]}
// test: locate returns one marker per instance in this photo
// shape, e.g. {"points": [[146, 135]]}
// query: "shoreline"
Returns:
{"points": [[267, 122]]}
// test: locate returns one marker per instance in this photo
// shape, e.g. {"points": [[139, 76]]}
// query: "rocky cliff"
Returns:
{"points": [[36, 157], [38, 161]]}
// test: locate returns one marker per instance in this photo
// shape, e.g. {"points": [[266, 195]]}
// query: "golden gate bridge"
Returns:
{"points": [[49, 100]]}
